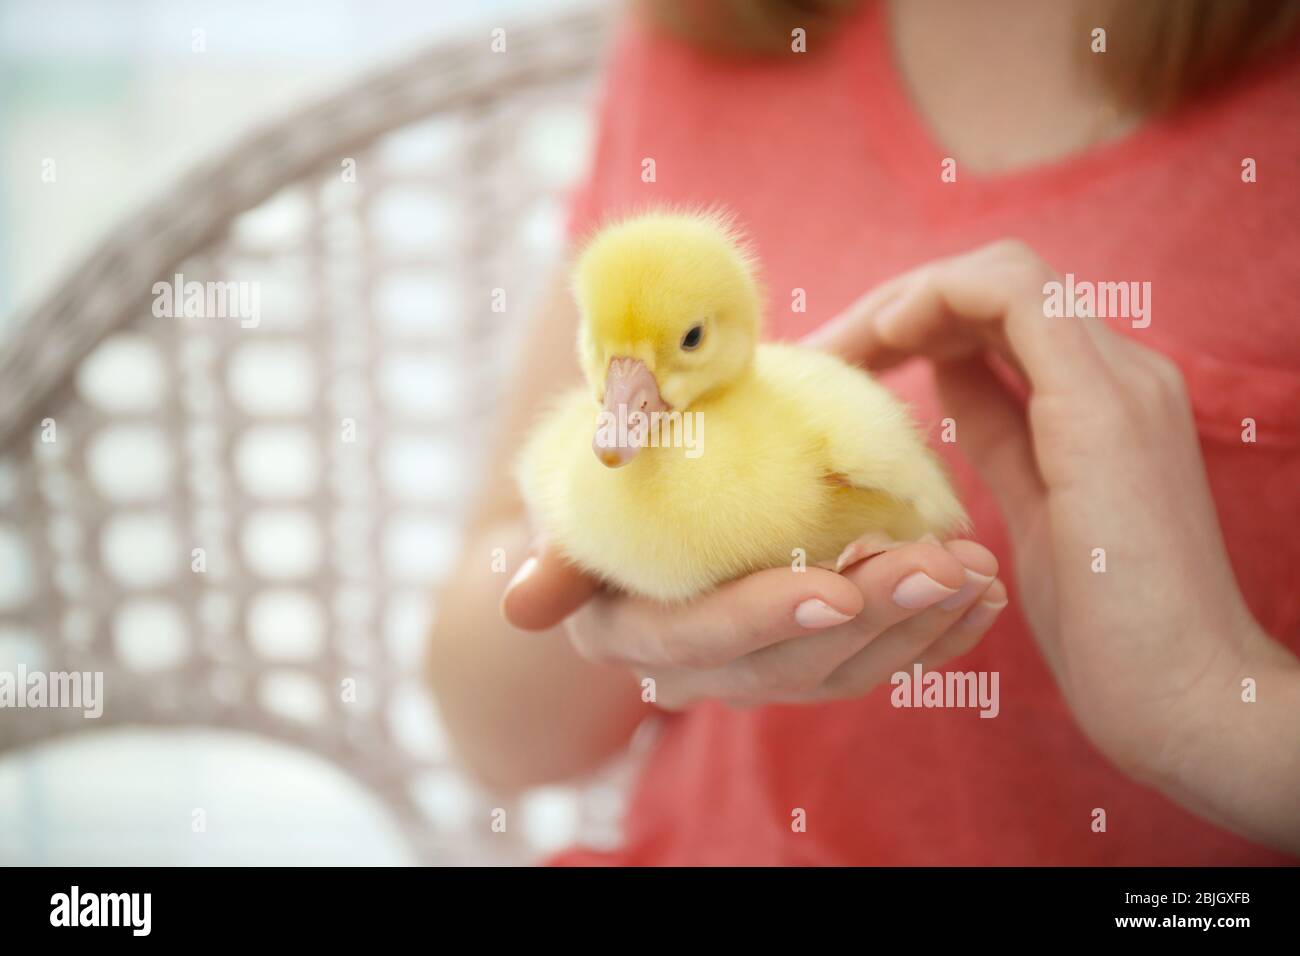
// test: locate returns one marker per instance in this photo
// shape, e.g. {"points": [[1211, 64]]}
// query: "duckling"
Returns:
{"points": [[714, 456]]}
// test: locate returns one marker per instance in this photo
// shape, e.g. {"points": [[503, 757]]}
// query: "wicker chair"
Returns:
{"points": [[241, 526]]}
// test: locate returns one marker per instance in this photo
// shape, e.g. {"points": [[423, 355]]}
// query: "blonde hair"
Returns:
{"points": [[1159, 52]]}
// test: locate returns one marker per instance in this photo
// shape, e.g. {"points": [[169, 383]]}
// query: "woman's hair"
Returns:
{"points": [[1157, 51]]}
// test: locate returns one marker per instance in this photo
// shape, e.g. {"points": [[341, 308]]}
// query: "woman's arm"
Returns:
{"points": [[522, 708], [1151, 654]]}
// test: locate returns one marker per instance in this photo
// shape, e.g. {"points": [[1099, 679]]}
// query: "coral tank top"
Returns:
{"points": [[837, 180]]}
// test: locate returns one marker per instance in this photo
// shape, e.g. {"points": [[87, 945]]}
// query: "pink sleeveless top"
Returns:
{"points": [[837, 181]]}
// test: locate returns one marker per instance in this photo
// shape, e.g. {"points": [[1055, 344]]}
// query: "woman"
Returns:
{"points": [[1149, 707]]}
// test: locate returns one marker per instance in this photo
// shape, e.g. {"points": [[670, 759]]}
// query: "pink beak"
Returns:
{"points": [[631, 398]]}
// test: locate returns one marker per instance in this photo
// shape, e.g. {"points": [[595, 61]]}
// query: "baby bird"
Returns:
{"points": [[715, 456]]}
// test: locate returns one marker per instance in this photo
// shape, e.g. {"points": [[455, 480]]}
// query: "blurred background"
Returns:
{"points": [[242, 527], [117, 92]]}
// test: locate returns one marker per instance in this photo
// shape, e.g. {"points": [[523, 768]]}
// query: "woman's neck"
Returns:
{"points": [[1004, 84]]}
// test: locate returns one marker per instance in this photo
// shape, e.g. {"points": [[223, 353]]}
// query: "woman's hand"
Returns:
{"points": [[779, 635], [1101, 469]]}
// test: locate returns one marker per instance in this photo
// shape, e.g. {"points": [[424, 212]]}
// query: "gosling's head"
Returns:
{"points": [[670, 314]]}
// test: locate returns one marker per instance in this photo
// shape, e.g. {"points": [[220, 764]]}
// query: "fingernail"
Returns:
{"points": [[982, 615], [919, 590], [815, 614], [975, 584], [525, 571], [860, 550]]}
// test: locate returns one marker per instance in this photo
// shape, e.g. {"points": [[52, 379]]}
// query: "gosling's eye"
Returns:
{"points": [[691, 340]]}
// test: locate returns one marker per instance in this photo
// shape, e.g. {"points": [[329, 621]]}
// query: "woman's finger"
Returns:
{"points": [[980, 563], [896, 585], [545, 590], [998, 288], [899, 647], [993, 434], [992, 298], [908, 638], [738, 618], [968, 630], [851, 337], [899, 582]]}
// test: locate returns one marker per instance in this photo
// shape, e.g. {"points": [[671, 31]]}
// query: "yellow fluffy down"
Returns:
{"points": [[801, 454]]}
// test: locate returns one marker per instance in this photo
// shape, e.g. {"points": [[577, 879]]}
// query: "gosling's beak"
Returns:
{"points": [[631, 397]]}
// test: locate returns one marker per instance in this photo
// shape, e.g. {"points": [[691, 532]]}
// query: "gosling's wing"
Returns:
{"points": [[869, 437]]}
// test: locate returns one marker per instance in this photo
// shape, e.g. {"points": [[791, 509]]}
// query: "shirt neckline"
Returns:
{"points": [[906, 144]]}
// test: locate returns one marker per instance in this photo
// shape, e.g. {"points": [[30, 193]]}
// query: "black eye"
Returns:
{"points": [[692, 339]]}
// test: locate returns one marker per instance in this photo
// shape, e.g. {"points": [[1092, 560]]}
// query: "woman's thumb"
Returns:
{"points": [[545, 590]]}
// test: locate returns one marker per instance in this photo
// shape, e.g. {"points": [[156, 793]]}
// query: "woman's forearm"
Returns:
{"points": [[521, 708], [1241, 763]]}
